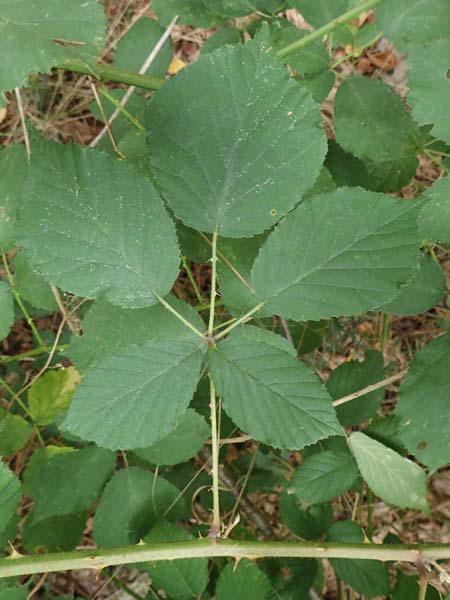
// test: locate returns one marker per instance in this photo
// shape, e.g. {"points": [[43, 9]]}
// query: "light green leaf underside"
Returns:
{"points": [[241, 153], [242, 581], [134, 500], [342, 253], [9, 495], [271, 395], [91, 224], [371, 121], [323, 476], [394, 479], [108, 328], [134, 398], [69, 483], [180, 579], [434, 218], [13, 165], [424, 405], [429, 85], [424, 291], [190, 433], [6, 309], [29, 28]]}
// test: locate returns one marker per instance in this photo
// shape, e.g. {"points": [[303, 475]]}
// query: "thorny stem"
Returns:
{"points": [[212, 305], [214, 531], [241, 320]]}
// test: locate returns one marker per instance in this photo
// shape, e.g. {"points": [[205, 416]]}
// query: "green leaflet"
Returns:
{"points": [[31, 286], [134, 500], [26, 25], [108, 328], [70, 482], [6, 309], [320, 12], [404, 20], [15, 432], [424, 291], [241, 173], [190, 433], [180, 579], [228, 35], [323, 476], [368, 577], [353, 376], [242, 581], [310, 522], [407, 587], [341, 253], [424, 407], [13, 165], [393, 478], [135, 397], [371, 121], [428, 83], [51, 394], [9, 495], [124, 246], [14, 593], [284, 405], [54, 534], [37, 461], [132, 50], [434, 218]]}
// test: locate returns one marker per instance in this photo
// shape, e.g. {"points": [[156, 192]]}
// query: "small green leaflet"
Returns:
{"points": [[190, 12], [308, 522], [434, 218], [320, 12], [180, 579], [31, 286], [91, 224], [15, 432], [13, 165], [9, 495], [134, 500], [341, 253], [429, 85], [229, 35], [135, 398], [424, 407], [14, 593], [190, 433], [51, 394], [323, 476], [371, 121], [6, 309], [55, 534], [242, 172], [284, 404], [29, 28], [39, 458], [242, 581], [393, 478]]}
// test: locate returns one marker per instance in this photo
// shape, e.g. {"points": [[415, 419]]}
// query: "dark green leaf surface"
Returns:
{"points": [[229, 35], [434, 218], [31, 286], [9, 495], [341, 253], [242, 581], [270, 394], [13, 164], [54, 534], [320, 12], [135, 398], [310, 522], [424, 406], [15, 432], [6, 309], [91, 224], [238, 174]]}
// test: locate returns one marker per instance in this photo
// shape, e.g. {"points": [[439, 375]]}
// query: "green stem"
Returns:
{"points": [[328, 28], [121, 108], [18, 399], [22, 306], [4, 360], [111, 73], [240, 321], [101, 558], [191, 278], [214, 531], [212, 306], [178, 316]]}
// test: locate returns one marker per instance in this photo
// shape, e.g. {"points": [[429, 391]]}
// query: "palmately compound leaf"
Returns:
{"points": [[341, 253], [239, 156], [271, 395], [133, 501], [424, 407], [393, 478], [320, 12], [108, 328], [429, 85], [190, 433], [71, 482], [180, 579], [368, 577], [371, 121], [405, 20], [434, 218], [91, 224], [9, 495], [13, 165], [325, 475], [32, 32], [424, 291], [6, 309], [242, 581], [134, 398], [353, 376], [51, 394]]}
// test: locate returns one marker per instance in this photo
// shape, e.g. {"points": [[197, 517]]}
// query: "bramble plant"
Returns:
{"points": [[223, 170]]}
